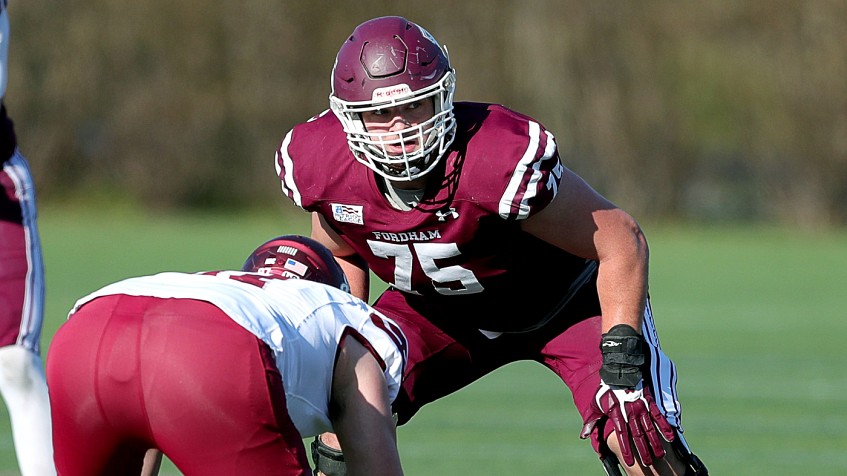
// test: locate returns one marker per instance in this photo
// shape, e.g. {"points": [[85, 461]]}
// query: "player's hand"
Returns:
{"points": [[636, 418]]}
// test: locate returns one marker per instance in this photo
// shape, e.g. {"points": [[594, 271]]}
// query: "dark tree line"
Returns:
{"points": [[720, 110]]}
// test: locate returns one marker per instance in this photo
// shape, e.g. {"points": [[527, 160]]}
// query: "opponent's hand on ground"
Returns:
{"points": [[636, 419]]}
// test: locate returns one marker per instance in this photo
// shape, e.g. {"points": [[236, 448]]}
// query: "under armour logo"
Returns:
{"points": [[449, 213]]}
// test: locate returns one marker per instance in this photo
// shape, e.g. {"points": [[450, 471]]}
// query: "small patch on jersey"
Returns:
{"points": [[295, 266], [348, 213]]}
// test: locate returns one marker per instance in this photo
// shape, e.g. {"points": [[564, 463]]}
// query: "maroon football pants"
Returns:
{"points": [[131, 373], [445, 357]]}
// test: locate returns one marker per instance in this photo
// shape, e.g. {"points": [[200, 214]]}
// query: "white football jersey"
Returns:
{"points": [[301, 321]]}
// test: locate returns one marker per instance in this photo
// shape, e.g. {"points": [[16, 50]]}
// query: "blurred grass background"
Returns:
{"points": [[753, 317]]}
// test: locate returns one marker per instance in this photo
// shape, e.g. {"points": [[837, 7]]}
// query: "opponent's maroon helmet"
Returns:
{"points": [[297, 257], [388, 62]]}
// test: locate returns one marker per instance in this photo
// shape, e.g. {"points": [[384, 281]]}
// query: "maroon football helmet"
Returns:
{"points": [[297, 257], [388, 62]]}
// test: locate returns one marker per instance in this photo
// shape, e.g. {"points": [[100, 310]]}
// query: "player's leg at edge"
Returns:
{"points": [[693, 465], [24, 389]]}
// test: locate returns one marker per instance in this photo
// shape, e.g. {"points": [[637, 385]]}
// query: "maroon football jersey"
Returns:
{"points": [[461, 252]]}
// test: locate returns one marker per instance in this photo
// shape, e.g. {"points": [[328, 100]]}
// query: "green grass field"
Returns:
{"points": [[754, 319]]}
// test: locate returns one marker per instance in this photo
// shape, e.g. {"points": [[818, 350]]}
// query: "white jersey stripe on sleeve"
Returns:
{"points": [[511, 197], [289, 187], [532, 186]]}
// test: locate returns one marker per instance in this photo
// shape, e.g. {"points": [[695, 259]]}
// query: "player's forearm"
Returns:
{"points": [[361, 413], [354, 266], [371, 451], [357, 275], [622, 279]]}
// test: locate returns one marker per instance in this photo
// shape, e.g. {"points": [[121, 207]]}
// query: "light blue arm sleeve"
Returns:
{"points": [[4, 49]]}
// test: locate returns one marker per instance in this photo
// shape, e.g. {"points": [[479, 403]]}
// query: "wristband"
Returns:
{"points": [[327, 460], [623, 356]]}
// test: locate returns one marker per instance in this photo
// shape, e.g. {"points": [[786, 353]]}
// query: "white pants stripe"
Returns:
{"points": [[17, 168], [662, 371]]}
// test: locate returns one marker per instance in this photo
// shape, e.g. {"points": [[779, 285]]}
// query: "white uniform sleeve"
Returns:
{"points": [[307, 372]]}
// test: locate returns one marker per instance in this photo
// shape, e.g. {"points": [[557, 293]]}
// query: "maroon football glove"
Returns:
{"points": [[623, 398], [636, 418]]}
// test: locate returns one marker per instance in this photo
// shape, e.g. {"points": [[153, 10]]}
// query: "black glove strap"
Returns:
{"points": [[327, 460], [623, 356]]}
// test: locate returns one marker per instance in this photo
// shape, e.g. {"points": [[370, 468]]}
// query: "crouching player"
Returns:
{"points": [[225, 372]]}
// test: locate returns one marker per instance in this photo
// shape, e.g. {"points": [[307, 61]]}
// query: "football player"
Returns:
{"points": [[226, 371], [494, 250], [22, 294]]}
